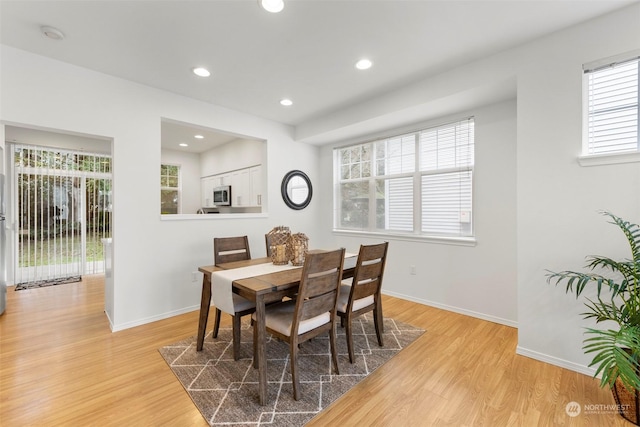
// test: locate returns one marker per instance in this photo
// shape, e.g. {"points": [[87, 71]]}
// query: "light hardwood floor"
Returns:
{"points": [[61, 365]]}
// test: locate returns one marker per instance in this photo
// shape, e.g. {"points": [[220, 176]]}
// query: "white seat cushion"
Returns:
{"points": [[343, 298], [241, 303], [279, 317]]}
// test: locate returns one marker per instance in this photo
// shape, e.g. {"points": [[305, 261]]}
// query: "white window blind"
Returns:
{"points": [[420, 183], [612, 108], [446, 158]]}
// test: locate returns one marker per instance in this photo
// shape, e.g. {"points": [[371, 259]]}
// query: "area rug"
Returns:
{"points": [[226, 391], [44, 283]]}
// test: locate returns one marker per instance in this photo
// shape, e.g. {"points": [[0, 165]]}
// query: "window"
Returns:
{"points": [[419, 183], [611, 122], [169, 189]]}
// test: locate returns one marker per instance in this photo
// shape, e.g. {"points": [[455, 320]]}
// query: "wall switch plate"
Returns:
{"points": [[412, 270]]}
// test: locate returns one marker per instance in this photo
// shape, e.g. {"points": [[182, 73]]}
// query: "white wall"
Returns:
{"points": [[153, 259], [535, 207], [237, 154], [479, 280], [558, 200]]}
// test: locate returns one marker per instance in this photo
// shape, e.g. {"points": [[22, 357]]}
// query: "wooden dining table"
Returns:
{"points": [[262, 290]]}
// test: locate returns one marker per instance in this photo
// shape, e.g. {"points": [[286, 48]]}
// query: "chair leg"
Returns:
{"points": [[334, 352], [216, 323], [379, 322], [349, 335], [294, 370], [237, 330]]}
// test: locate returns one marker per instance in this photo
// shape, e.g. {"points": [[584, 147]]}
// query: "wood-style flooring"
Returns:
{"points": [[60, 365]]}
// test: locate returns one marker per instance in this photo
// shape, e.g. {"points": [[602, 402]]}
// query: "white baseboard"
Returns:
{"points": [[576, 367], [144, 321], [477, 315]]}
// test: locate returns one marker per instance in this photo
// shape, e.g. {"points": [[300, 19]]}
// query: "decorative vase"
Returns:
{"points": [[298, 248], [627, 401], [278, 239]]}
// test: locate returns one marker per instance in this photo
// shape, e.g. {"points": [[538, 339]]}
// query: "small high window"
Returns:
{"points": [[611, 107]]}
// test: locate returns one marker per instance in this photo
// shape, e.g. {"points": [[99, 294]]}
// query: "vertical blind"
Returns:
{"points": [[421, 182], [63, 212], [612, 108]]}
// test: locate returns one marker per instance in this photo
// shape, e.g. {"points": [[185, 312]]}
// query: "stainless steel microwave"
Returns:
{"points": [[222, 196]]}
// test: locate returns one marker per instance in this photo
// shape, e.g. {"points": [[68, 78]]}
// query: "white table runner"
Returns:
{"points": [[222, 281]]}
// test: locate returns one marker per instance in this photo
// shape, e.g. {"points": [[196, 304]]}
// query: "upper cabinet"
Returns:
{"points": [[256, 185], [246, 187], [207, 184]]}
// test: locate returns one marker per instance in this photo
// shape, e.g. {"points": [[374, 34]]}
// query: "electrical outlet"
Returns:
{"points": [[194, 276], [412, 270]]}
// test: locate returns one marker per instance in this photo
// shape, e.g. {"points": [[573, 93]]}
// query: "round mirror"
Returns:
{"points": [[296, 189]]}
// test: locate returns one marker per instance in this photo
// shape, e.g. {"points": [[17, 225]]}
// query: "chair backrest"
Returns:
{"points": [[229, 249], [267, 241], [319, 286], [367, 276]]}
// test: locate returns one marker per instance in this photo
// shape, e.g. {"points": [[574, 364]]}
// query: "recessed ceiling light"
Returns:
{"points": [[286, 102], [202, 72], [182, 144], [198, 136], [273, 6], [52, 33], [364, 64]]}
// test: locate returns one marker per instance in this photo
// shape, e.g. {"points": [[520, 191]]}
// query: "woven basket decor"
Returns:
{"points": [[298, 247], [279, 238]]}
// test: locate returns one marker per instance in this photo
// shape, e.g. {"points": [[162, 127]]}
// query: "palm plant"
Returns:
{"points": [[617, 350]]}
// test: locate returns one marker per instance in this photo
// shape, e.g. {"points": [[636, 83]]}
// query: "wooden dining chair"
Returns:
{"points": [[267, 241], [312, 313], [229, 249], [362, 293]]}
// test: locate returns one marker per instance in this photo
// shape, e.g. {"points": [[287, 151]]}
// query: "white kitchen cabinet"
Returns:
{"points": [[207, 184], [255, 175], [246, 187], [225, 179], [241, 188]]}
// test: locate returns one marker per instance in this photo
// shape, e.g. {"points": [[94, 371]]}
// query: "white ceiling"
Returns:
{"points": [[306, 53]]}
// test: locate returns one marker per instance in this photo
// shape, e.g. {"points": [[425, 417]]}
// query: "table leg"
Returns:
{"points": [[261, 353], [205, 303]]}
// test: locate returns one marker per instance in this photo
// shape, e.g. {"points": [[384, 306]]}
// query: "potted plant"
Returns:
{"points": [[616, 346]]}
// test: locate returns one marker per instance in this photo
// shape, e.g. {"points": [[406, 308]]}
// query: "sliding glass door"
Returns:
{"points": [[63, 213]]}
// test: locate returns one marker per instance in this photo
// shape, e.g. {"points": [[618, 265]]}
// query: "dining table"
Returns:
{"points": [[262, 289]]}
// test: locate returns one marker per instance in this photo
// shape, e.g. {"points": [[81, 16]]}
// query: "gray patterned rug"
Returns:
{"points": [[226, 391]]}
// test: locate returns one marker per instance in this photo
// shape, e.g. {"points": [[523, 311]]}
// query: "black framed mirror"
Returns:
{"points": [[296, 190]]}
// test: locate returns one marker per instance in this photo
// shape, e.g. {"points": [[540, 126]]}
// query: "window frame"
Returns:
{"points": [[606, 158], [417, 175], [178, 188]]}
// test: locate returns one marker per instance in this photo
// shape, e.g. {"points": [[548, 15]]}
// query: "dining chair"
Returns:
{"points": [[361, 293], [229, 249], [267, 241], [312, 313]]}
